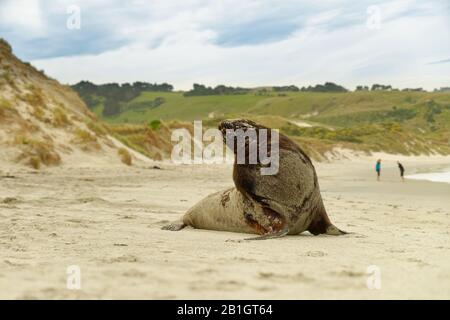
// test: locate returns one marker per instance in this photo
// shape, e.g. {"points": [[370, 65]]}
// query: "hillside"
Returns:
{"points": [[406, 122], [43, 123]]}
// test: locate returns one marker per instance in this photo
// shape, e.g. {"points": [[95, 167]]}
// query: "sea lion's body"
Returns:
{"points": [[288, 202], [220, 211]]}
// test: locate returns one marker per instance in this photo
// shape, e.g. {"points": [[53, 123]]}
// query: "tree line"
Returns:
{"points": [[114, 95], [202, 90], [381, 87]]}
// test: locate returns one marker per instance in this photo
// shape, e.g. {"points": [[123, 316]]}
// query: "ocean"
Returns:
{"points": [[431, 176]]}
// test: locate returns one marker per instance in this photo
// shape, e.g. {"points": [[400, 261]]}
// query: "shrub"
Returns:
{"points": [[60, 118], [38, 113], [37, 152], [155, 124], [5, 46], [34, 99], [35, 162], [5, 106], [84, 136], [98, 128], [5, 76], [125, 156]]}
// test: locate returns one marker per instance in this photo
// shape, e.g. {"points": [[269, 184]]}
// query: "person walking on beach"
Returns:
{"points": [[378, 169], [402, 170]]}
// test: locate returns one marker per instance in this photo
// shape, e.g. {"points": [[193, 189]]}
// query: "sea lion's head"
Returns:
{"points": [[237, 124], [252, 144], [233, 130]]}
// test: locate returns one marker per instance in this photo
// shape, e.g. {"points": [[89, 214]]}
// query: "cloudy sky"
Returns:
{"points": [[405, 43]]}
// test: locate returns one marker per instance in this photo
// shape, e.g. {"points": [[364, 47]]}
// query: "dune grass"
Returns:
{"points": [[98, 128], [37, 152], [60, 118], [125, 156], [5, 108], [86, 140]]}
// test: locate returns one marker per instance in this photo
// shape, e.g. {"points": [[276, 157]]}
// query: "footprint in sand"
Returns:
{"points": [[229, 285], [396, 250], [316, 254], [223, 285], [89, 200], [133, 273], [366, 219], [15, 264], [10, 200], [266, 288], [127, 217], [418, 261], [278, 277], [348, 273], [243, 259], [124, 258]]}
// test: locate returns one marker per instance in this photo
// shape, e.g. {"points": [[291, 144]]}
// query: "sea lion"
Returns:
{"points": [[271, 205]]}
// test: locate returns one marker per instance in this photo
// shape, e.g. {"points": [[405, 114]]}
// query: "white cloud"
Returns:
{"points": [[25, 15], [176, 42]]}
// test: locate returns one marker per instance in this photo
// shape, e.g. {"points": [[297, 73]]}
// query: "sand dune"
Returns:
{"points": [[107, 221]]}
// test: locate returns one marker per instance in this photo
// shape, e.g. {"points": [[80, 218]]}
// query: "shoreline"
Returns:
{"points": [[419, 168], [433, 176]]}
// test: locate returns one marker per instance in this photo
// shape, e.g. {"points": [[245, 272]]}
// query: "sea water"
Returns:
{"points": [[432, 176]]}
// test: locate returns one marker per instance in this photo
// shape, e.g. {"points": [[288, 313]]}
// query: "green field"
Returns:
{"points": [[298, 105], [391, 121]]}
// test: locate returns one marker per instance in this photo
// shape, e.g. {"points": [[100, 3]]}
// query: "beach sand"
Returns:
{"points": [[107, 221]]}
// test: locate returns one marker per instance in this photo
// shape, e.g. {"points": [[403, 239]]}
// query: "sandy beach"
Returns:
{"points": [[107, 221]]}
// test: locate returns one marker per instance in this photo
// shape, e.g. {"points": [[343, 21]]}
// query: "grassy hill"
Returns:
{"points": [[295, 105], [406, 122]]}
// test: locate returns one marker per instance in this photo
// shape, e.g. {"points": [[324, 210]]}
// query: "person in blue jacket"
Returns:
{"points": [[378, 169]]}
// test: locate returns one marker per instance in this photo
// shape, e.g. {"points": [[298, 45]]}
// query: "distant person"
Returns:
{"points": [[378, 169], [402, 170]]}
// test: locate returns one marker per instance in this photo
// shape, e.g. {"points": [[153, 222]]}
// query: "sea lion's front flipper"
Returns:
{"points": [[175, 226], [271, 235], [271, 225]]}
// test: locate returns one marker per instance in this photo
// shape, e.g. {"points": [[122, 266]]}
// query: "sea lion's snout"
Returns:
{"points": [[224, 125], [229, 128], [235, 125], [234, 132]]}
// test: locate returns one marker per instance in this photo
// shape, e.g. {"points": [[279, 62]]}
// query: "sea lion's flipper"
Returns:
{"points": [[271, 235], [175, 226], [275, 225], [322, 225], [334, 231]]}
